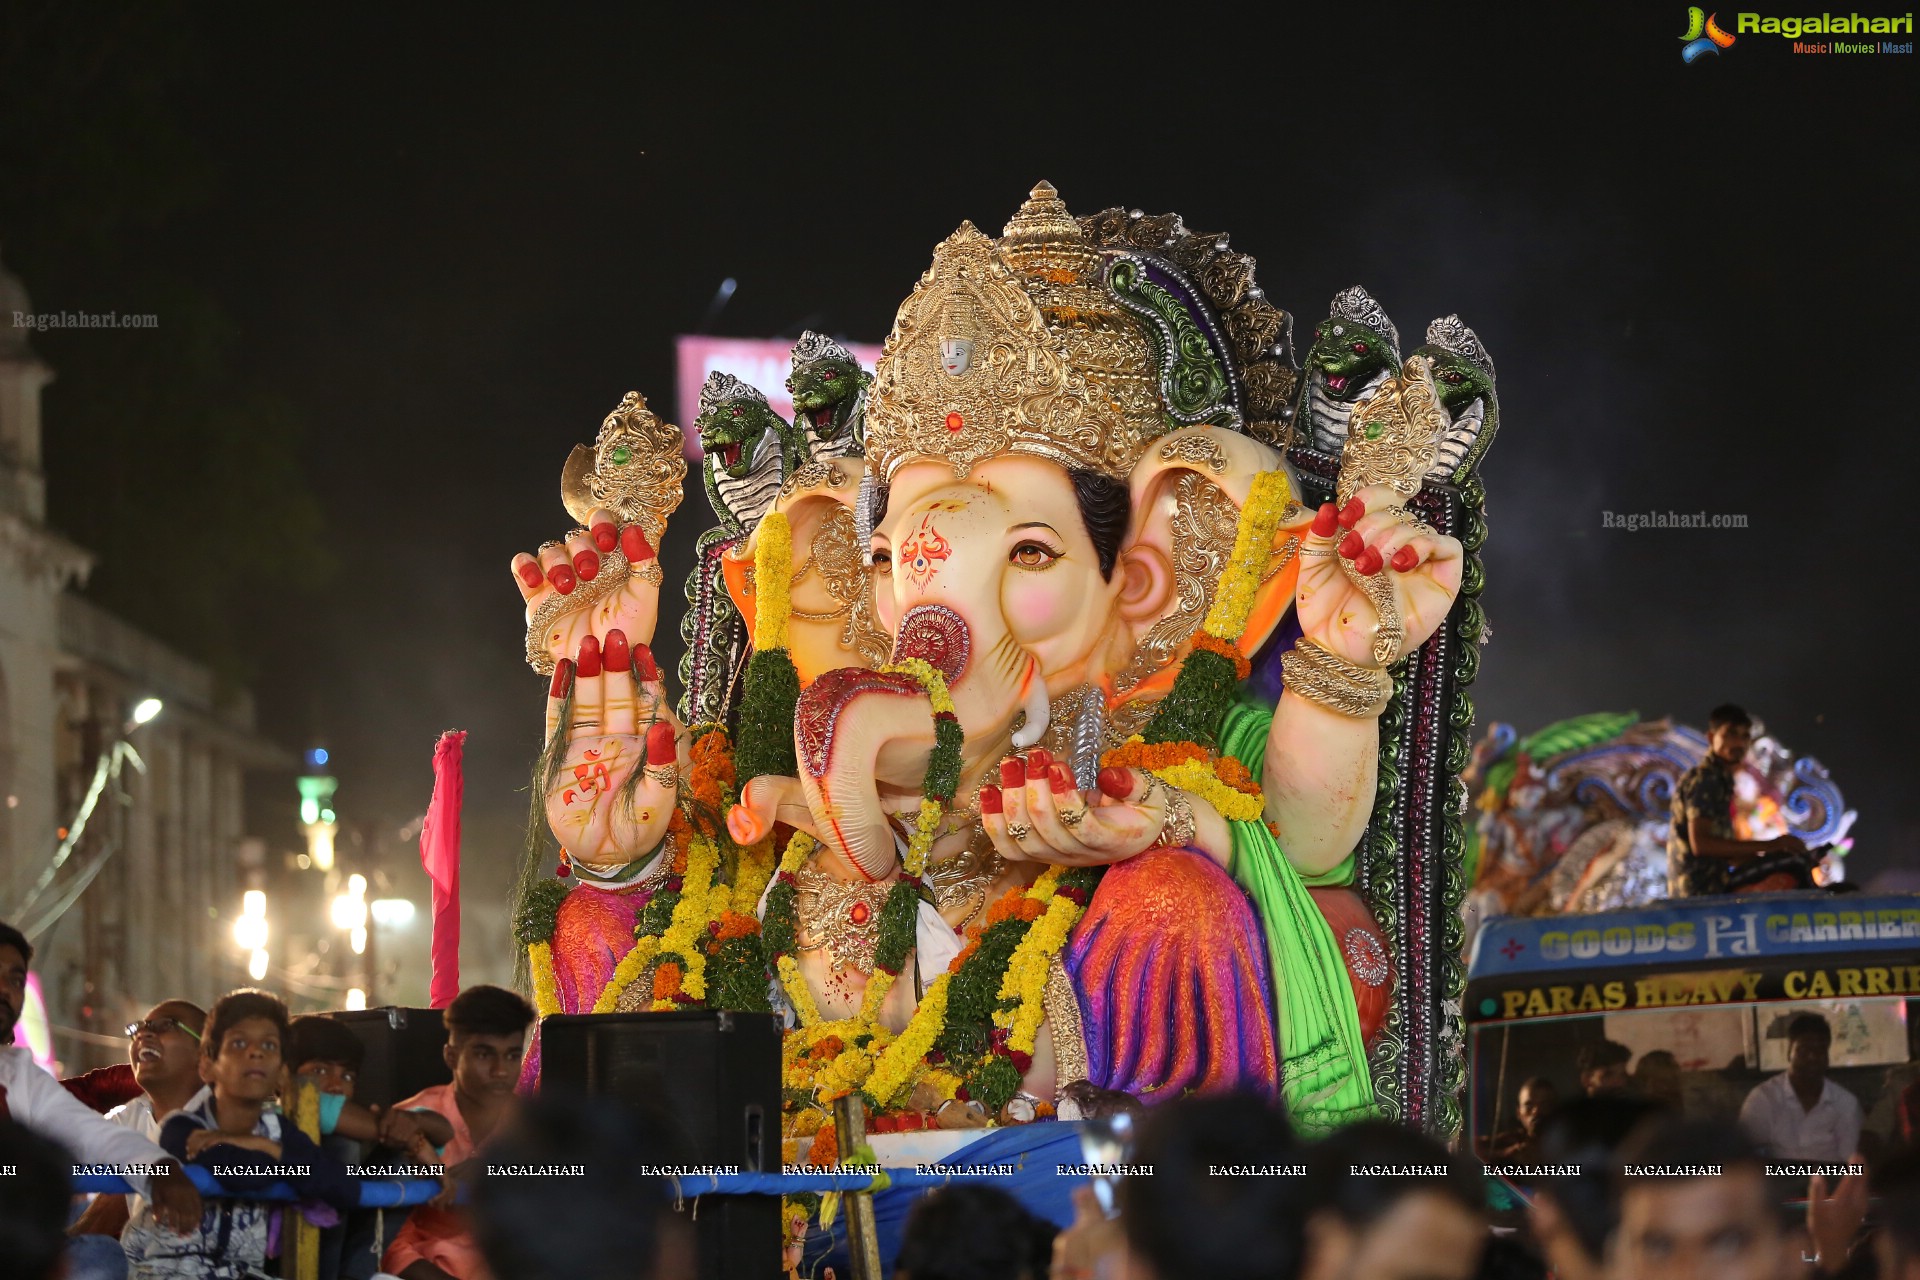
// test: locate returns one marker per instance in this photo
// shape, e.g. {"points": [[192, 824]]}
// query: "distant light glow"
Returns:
{"points": [[250, 930], [146, 709], [317, 757], [357, 885], [356, 998], [358, 939], [257, 965], [393, 911], [33, 1022], [348, 912]]}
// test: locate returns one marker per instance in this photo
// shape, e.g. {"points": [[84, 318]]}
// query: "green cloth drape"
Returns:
{"points": [[1323, 1076]]}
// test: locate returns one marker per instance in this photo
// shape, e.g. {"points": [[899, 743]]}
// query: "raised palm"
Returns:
{"points": [[614, 789], [1399, 568]]}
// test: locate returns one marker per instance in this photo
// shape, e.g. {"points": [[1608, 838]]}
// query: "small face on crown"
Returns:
{"points": [[956, 355]]}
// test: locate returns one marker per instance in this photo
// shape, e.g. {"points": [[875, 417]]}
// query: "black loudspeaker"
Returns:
{"points": [[714, 1074], [403, 1052]]}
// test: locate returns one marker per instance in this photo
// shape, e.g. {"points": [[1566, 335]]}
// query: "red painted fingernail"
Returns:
{"points": [[587, 565], [1038, 762], [589, 656], [645, 670], [660, 748], [1352, 545], [1351, 513], [991, 801], [615, 652], [1116, 783], [1059, 779], [1369, 562], [529, 573], [1405, 558], [1326, 520], [562, 677], [634, 544], [562, 578], [605, 536], [1013, 773]]}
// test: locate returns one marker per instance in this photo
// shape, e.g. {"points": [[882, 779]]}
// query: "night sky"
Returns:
{"points": [[454, 238]]}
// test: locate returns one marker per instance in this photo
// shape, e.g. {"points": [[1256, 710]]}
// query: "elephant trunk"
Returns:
{"points": [[855, 732]]}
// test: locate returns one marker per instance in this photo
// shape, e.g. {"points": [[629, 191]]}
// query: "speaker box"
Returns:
{"points": [[403, 1052], [713, 1073]]}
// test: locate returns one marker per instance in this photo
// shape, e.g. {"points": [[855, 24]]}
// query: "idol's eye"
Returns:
{"points": [[1360, 348], [882, 560], [1033, 555], [736, 413], [1317, 334], [828, 376], [1455, 379]]}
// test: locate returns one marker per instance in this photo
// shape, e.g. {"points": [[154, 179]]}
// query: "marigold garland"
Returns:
{"points": [[898, 1064], [772, 581], [680, 976], [1192, 709], [797, 991], [630, 967], [1267, 502], [546, 992]]}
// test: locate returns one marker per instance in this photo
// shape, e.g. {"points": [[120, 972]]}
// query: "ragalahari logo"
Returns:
{"points": [[1703, 35]]}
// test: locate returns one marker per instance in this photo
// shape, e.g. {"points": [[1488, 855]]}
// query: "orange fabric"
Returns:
{"points": [[439, 1236]]}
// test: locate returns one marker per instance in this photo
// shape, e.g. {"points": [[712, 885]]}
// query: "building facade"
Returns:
{"points": [[136, 903]]}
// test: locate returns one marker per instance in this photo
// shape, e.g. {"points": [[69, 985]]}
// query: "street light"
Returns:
{"points": [[250, 932], [146, 709]]}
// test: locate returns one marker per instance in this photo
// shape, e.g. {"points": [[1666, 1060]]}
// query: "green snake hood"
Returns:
{"points": [[827, 386], [1353, 349], [732, 419], [1463, 372]]}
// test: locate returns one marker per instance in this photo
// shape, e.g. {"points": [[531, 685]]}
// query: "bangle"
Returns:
{"points": [[1320, 676], [1177, 825]]}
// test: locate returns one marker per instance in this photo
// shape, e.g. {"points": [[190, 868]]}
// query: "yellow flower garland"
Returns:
{"points": [[795, 986], [751, 874], [927, 823], [772, 582], [1014, 983], [631, 966], [546, 993], [898, 1064], [1196, 777], [1267, 502], [684, 931]]}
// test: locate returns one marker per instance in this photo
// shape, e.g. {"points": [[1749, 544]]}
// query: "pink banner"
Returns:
{"points": [[440, 855], [758, 362]]}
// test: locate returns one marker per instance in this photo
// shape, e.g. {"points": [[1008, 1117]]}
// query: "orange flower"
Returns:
{"points": [[826, 1047], [1153, 755], [734, 924], [1236, 775], [1226, 649], [666, 981], [825, 1151]]}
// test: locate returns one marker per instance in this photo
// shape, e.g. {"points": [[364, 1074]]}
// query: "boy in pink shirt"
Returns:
{"points": [[486, 1036]]}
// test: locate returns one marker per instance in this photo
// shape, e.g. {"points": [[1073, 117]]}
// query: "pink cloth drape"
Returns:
{"points": [[440, 855]]}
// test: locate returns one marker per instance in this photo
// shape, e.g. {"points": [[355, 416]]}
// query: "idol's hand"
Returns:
{"points": [[568, 569], [613, 792], [1373, 577], [1036, 814]]}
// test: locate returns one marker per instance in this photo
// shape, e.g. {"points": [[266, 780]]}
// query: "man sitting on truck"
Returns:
{"points": [[1702, 847], [1800, 1114]]}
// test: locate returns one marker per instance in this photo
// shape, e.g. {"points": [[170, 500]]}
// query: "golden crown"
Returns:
{"points": [[1015, 346]]}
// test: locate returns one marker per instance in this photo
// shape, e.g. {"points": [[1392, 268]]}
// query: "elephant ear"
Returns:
{"points": [[1187, 491], [833, 590]]}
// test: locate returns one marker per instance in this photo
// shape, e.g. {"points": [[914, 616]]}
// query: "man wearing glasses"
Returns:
{"points": [[34, 1100], [163, 1049]]}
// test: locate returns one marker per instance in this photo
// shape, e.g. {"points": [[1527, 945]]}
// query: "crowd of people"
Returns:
{"points": [[1635, 1189], [255, 1098]]}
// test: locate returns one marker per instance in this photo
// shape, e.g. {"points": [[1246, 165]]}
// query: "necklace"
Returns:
{"points": [[839, 915]]}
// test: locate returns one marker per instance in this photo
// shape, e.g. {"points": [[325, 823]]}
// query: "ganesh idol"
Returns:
{"points": [[1032, 740]]}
